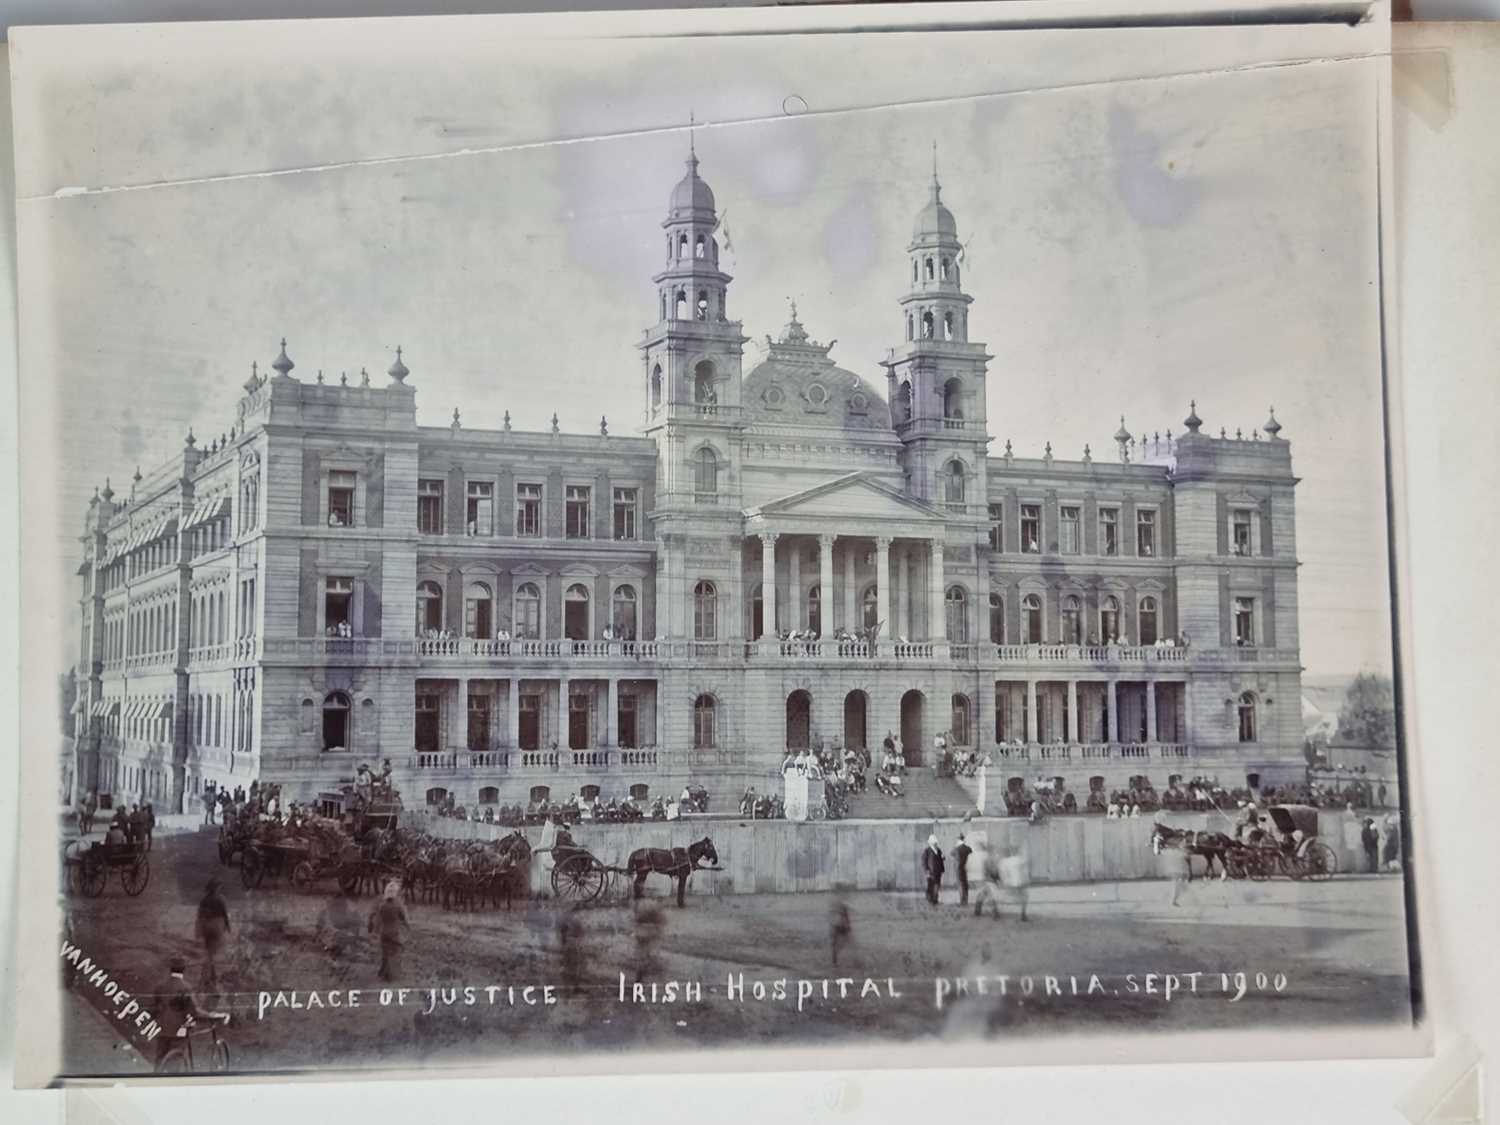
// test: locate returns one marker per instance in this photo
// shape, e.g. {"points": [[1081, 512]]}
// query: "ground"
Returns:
{"points": [[1313, 954]]}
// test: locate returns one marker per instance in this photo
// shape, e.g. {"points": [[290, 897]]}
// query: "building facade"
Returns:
{"points": [[787, 556]]}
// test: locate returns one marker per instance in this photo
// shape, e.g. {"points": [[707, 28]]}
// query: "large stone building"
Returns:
{"points": [[332, 583]]}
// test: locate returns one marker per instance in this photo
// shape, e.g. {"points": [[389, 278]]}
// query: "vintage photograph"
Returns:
{"points": [[599, 548]]}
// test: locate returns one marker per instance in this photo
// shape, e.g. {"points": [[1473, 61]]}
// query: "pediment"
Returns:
{"points": [[1242, 499], [852, 497]]}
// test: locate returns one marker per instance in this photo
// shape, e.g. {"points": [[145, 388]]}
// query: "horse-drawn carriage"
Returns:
{"points": [[1295, 851], [89, 868], [304, 857], [578, 876]]}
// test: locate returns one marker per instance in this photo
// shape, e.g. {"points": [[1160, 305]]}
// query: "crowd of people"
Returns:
{"points": [[577, 808], [134, 825]]}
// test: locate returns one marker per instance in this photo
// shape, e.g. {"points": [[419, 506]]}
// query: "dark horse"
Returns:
{"points": [[674, 863], [1210, 845]]}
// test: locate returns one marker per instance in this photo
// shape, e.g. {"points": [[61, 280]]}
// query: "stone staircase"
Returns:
{"points": [[927, 796]]}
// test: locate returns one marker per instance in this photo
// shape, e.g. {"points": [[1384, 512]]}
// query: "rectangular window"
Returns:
{"points": [[1109, 531], [479, 721], [529, 510], [576, 502], [479, 515], [338, 601], [997, 527], [1244, 622], [1240, 532], [429, 507], [1069, 541], [1145, 534], [625, 513], [428, 723], [1031, 529], [340, 498]]}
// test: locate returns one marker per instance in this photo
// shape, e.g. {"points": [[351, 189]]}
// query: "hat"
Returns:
{"points": [[178, 964], [213, 885]]}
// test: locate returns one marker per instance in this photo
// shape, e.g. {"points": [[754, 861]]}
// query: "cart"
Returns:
{"points": [[302, 859], [1309, 857], [91, 868]]}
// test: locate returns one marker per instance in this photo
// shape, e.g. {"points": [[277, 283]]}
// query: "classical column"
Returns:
{"points": [[1072, 711], [883, 583], [1114, 714], [561, 734], [935, 629], [1030, 712], [794, 594], [851, 596], [768, 583], [513, 716], [612, 712], [1150, 710], [458, 730], [825, 581], [901, 623]]}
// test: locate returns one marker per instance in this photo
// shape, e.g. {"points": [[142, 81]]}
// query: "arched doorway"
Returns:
{"points": [[911, 727], [856, 707], [798, 720]]}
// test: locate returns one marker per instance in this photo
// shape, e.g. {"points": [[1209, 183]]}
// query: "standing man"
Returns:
{"points": [[212, 928], [1370, 838], [148, 821], [840, 928], [388, 920], [961, 865], [210, 798], [932, 866]]}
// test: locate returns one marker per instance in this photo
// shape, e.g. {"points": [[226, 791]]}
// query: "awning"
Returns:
{"points": [[162, 710], [100, 707], [211, 507]]}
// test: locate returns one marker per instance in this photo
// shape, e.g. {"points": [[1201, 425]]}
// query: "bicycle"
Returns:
{"points": [[179, 1056]]}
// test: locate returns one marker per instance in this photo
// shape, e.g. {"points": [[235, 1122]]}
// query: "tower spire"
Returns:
{"points": [[692, 145], [937, 188]]}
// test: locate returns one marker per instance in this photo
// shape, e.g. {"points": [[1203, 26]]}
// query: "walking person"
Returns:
{"points": [[1015, 877], [212, 927], [148, 821], [388, 920], [961, 865], [210, 799], [932, 866], [840, 928], [984, 873]]}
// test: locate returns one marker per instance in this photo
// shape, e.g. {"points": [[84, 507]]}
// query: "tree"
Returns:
{"points": [[1368, 717], [67, 688]]}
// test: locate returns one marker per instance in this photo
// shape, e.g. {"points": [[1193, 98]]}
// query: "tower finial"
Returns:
{"points": [[692, 148]]}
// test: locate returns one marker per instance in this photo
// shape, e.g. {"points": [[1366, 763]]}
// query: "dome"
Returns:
{"points": [[691, 193], [934, 219], [798, 385]]}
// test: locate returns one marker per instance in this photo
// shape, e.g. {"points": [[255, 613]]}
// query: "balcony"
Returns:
{"points": [[545, 762], [1090, 752], [464, 648]]}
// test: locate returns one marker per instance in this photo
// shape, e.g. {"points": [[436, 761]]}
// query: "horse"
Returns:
{"points": [[1210, 845], [674, 863]]}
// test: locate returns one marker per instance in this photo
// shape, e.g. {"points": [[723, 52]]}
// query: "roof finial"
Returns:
{"points": [[692, 148], [283, 364], [1272, 427], [507, 421], [397, 370]]}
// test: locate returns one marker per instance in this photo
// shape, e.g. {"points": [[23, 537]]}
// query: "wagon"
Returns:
{"points": [[92, 867], [1309, 857], [578, 875], [302, 859]]}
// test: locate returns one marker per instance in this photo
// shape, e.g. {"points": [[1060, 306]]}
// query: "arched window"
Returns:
{"points": [[1246, 709], [682, 245], [953, 398], [705, 612], [699, 248], [539, 793], [679, 305], [437, 795], [910, 327], [946, 269], [588, 792], [947, 326], [959, 731], [953, 484], [489, 795], [815, 609], [997, 619], [640, 791], [1148, 621], [1072, 621], [576, 612], [1109, 620], [704, 714], [903, 401], [703, 384], [869, 607], [479, 611], [927, 268], [706, 473], [913, 271], [622, 618], [655, 386], [528, 612], [335, 722], [927, 325], [429, 607], [957, 604], [700, 310], [1031, 620]]}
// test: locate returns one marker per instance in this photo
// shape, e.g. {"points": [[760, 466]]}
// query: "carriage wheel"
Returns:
{"points": [[135, 877], [1260, 869], [303, 876], [218, 1059], [1235, 866], [92, 878], [578, 878], [225, 851], [1320, 862], [1290, 865], [817, 812], [252, 869]]}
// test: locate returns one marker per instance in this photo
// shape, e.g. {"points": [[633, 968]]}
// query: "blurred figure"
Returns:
{"points": [[570, 943], [389, 921], [961, 855], [932, 867], [1015, 876], [840, 928], [212, 927]]}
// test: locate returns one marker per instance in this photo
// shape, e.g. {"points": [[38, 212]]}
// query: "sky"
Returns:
{"points": [[493, 204]]}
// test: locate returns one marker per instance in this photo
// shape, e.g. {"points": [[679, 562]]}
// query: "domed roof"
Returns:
{"points": [[691, 193], [798, 385], [934, 219]]}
